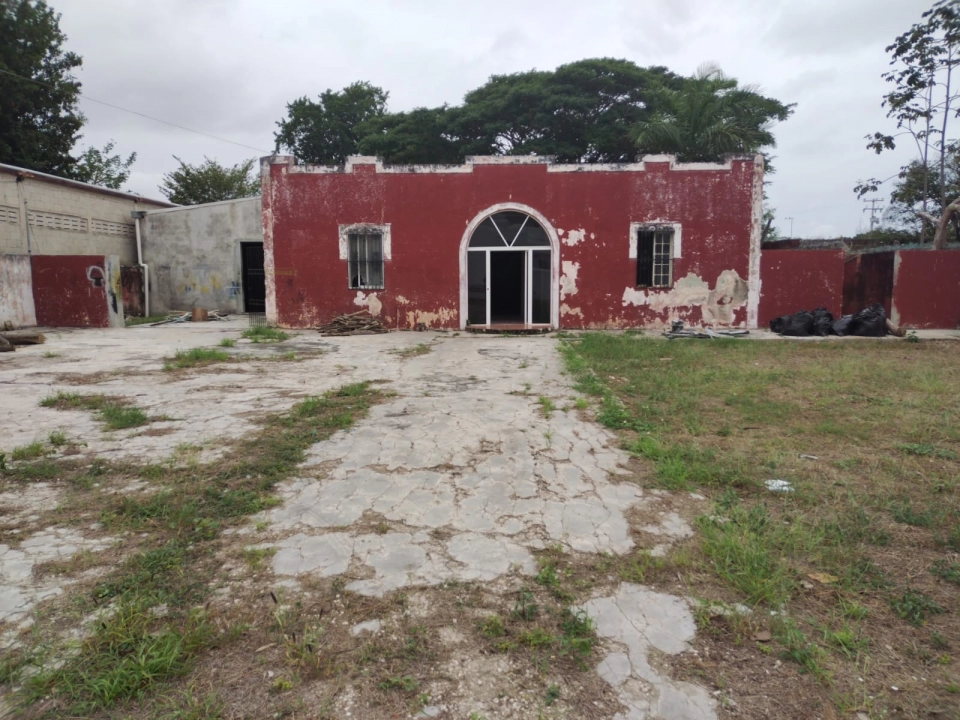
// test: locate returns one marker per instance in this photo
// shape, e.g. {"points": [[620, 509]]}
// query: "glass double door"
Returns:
{"points": [[508, 286]]}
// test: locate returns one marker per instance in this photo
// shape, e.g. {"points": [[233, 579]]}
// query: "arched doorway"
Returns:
{"points": [[509, 269]]}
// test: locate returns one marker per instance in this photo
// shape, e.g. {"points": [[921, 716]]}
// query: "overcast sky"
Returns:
{"points": [[228, 68]]}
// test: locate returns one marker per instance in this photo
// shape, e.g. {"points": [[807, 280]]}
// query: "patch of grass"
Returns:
{"points": [[32, 451], [196, 357], [227, 342], [257, 557], [51, 354], [415, 351], [124, 660], [798, 648], [547, 406], [262, 333], [868, 438], [744, 547], [120, 418], [404, 684], [115, 412], [492, 626], [946, 570], [926, 450], [57, 438], [914, 606]]}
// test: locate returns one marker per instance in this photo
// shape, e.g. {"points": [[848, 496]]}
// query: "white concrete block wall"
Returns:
{"points": [[87, 202]]}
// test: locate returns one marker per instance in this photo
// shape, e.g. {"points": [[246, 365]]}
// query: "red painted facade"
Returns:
{"points": [[792, 280], [74, 291], [926, 292], [587, 211]]}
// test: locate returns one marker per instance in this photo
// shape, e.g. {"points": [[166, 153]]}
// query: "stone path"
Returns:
{"points": [[467, 449]]}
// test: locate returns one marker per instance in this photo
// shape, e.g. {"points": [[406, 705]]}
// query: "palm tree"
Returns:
{"points": [[710, 116]]}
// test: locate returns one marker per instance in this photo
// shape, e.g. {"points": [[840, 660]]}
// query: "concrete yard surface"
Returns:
{"points": [[476, 462]]}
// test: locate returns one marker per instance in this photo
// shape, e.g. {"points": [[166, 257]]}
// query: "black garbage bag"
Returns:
{"points": [[869, 322], [776, 325], [822, 322], [841, 326], [798, 325]]}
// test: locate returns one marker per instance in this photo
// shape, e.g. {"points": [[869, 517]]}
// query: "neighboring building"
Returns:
{"points": [[43, 214], [208, 256], [68, 251], [514, 241]]}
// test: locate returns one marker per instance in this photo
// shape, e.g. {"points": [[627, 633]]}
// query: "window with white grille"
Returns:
{"points": [[57, 221], [365, 261], [106, 227], [654, 257], [9, 215]]}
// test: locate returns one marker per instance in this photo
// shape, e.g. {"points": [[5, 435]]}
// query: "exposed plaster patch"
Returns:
{"points": [[717, 305], [401, 300], [439, 318], [568, 278], [371, 302], [574, 237], [567, 310]]}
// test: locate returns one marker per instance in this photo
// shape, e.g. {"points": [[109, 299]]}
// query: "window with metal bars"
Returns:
{"points": [[365, 261], [655, 257]]}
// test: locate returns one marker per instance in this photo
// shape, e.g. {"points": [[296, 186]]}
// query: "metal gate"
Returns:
{"points": [[254, 288]]}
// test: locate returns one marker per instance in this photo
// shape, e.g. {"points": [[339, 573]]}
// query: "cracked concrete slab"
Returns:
{"points": [[640, 619], [466, 448], [20, 589]]}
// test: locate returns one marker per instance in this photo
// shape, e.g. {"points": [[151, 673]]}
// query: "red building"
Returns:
{"points": [[514, 241]]}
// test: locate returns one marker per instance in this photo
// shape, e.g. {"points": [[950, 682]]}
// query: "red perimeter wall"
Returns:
{"points": [[591, 209], [926, 292], [65, 296], [793, 280]]}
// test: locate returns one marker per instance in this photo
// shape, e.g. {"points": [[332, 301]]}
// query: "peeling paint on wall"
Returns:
{"points": [[567, 310], [717, 305], [440, 318], [16, 291], [574, 237], [371, 302], [568, 278]]}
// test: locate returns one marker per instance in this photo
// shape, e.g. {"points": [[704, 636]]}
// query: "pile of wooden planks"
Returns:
{"points": [[9, 340], [358, 323]]}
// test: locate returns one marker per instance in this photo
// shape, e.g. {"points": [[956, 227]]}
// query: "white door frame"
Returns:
{"points": [[554, 262]]}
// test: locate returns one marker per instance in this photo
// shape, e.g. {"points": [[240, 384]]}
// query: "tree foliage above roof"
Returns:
{"points": [[587, 111], [210, 182]]}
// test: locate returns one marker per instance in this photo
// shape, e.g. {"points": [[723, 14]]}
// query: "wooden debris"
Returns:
{"points": [[5, 346], [24, 338], [358, 323]]}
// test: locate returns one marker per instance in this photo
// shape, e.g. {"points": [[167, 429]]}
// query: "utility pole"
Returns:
{"points": [[791, 226], [874, 212]]}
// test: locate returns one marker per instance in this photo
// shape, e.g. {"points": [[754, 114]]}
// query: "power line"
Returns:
{"points": [[143, 115]]}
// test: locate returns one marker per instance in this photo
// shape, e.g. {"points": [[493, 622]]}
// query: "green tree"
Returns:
{"points": [[710, 115], [584, 111], [39, 119], [419, 136], [923, 100], [99, 167], [210, 182], [326, 132]]}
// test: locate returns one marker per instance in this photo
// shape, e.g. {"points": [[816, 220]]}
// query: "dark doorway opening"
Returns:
{"points": [[254, 287], [507, 287]]}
